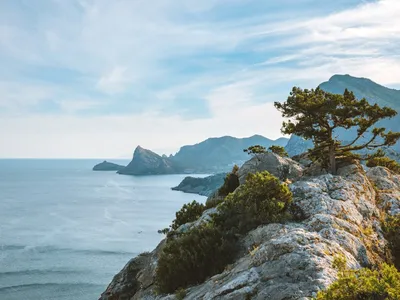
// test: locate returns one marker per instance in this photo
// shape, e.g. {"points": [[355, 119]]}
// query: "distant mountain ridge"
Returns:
{"points": [[222, 152], [362, 88], [210, 156]]}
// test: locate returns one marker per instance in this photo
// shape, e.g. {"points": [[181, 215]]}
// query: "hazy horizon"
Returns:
{"points": [[94, 79]]}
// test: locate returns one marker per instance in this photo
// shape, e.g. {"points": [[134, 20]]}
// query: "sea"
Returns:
{"points": [[66, 230]]}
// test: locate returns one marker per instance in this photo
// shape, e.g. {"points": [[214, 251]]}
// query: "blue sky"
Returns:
{"points": [[95, 78]]}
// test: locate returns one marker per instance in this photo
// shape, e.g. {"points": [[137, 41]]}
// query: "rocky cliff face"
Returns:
{"points": [[146, 162], [292, 260]]}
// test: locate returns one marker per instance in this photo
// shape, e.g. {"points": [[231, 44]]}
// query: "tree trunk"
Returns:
{"points": [[332, 159]]}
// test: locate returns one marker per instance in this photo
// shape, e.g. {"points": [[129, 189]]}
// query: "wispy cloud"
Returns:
{"points": [[176, 67]]}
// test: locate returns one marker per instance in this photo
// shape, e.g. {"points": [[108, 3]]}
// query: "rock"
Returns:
{"points": [[134, 278], [203, 186], [388, 186], [293, 260], [107, 166], [146, 162], [272, 163]]}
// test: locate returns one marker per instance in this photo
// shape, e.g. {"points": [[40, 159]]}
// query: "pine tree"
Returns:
{"points": [[315, 114]]}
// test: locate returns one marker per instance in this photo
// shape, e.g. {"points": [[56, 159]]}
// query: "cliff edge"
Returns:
{"points": [[293, 260]]}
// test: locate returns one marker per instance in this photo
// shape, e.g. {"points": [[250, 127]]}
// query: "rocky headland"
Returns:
{"points": [[205, 186], [146, 162], [292, 260]]}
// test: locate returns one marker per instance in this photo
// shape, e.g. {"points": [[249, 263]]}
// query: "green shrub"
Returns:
{"points": [[262, 199], [391, 229], [363, 284], [279, 150], [193, 257], [384, 162], [231, 182], [189, 212], [180, 294]]}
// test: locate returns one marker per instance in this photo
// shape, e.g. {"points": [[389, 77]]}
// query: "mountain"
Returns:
{"points": [[107, 166], [146, 162], [374, 93], [220, 154], [210, 156], [362, 88], [297, 145]]}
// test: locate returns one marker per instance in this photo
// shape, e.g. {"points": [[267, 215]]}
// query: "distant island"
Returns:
{"points": [[107, 166]]}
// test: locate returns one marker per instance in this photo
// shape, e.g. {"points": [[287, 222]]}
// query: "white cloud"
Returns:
{"points": [[114, 81], [107, 137], [122, 46]]}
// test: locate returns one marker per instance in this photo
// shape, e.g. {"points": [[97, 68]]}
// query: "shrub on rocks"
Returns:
{"points": [[391, 229], [384, 162], [382, 283], [189, 212], [231, 182], [193, 257], [262, 199]]}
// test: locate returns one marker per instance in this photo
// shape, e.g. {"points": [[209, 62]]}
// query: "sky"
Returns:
{"points": [[96, 78]]}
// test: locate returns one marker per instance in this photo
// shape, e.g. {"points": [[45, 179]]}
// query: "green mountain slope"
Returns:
{"points": [[219, 154]]}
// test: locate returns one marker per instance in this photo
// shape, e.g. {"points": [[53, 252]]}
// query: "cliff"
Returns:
{"points": [[340, 215], [107, 166], [202, 186], [146, 162]]}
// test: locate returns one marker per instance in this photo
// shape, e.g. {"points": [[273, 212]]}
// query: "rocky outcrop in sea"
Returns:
{"points": [[107, 166]]}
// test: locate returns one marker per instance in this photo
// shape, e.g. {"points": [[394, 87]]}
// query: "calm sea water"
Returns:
{"points": [[65, 230]]}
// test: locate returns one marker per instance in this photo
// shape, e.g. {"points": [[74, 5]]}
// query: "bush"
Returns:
{"points": [[384, 162], [180, 294], [262, 199], [383, 283], [391, 229], [193, 257], [279, 150], [231, 182], [189, 212]]}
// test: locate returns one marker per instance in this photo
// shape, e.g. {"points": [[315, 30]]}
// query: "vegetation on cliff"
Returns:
{"points": [[278, 150], [391, 229], [380, 283], [261, 200], [193, 256], [386, 162], [231, 182]]}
